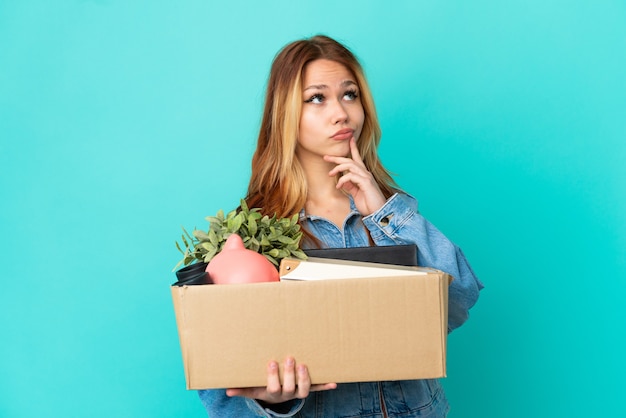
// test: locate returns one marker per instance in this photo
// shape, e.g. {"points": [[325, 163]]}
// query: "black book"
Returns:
{"points": [[401, 255]]}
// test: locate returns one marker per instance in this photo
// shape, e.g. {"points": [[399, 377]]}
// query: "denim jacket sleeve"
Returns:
{"points": [[217, 404], [399, 222], [285, 409]]}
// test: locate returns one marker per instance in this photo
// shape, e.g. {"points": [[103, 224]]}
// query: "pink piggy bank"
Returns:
{"points": [[236, 264]]}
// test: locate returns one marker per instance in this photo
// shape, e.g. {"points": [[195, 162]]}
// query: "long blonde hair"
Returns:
{"points": [[277, 184]]}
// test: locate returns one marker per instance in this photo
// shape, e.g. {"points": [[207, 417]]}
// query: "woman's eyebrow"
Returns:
{"points": [[344, 83], [316, 87]]}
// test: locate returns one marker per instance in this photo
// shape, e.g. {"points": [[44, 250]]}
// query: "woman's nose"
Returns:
{"points": [[339, 113]]}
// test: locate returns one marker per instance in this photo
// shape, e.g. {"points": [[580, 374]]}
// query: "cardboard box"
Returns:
{"points": [[389, 326]]}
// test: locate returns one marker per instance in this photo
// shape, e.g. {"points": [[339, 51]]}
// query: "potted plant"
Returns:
{"points": [[272, 237]]}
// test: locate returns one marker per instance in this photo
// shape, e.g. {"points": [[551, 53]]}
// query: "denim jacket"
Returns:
{"points": [[397, 222]]}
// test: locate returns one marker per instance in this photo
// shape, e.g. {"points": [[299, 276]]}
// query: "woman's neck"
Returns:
{"points": [[323, 197]]}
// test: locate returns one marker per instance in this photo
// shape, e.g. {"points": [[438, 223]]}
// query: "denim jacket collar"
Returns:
{"points": [[353, 211]]}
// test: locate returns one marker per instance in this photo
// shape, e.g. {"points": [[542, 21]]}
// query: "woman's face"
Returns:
{"points": [[332, 112]]}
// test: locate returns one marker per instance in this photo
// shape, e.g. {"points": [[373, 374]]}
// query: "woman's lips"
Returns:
{"points": [[343, 134]]}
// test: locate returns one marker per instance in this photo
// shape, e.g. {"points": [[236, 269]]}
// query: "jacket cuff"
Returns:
{"points": [[391, 216], [279, 410]]}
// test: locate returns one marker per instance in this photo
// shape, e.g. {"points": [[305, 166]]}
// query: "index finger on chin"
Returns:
{"points": [[354, 150]]}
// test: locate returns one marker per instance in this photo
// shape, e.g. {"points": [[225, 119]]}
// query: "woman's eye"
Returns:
{"points": [[350, 95], [315, 99]]}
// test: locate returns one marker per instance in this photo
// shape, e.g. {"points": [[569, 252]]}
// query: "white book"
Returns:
{"points": [[325, 269]]}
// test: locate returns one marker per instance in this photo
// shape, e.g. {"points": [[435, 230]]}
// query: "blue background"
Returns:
{"points": [[122, 121]]}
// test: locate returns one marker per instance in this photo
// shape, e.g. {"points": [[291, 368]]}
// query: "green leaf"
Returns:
{"points": [[187, 234], [209, 256], [254, 245], [286, 240], [201, 235], [265, 242], [213, 238], [255, 215], [252, 228], [215, 220], [231, 214], [299, 254], [271, 259], [244, 205], [234, 223]]}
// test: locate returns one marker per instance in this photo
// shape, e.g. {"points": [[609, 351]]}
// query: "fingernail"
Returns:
{"points": [[290, 362]]}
